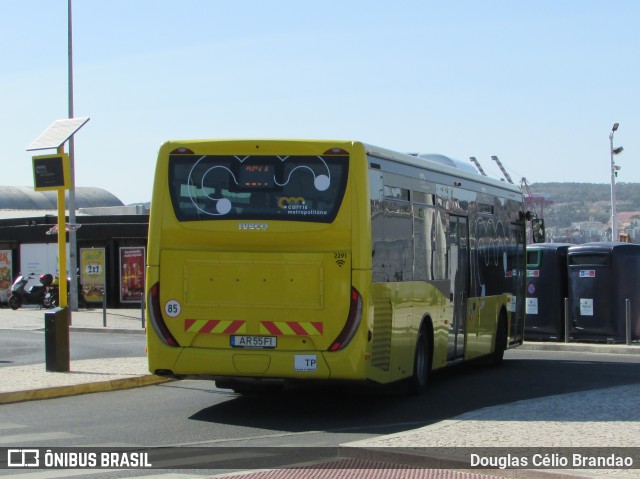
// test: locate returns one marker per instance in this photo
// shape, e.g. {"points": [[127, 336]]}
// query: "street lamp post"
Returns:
{"points": [[614, 173], [73, 259]]}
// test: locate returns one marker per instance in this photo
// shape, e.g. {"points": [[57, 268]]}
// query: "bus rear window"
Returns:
{"points": [[298, 188]]}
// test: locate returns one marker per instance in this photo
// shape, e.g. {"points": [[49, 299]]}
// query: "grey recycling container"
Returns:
{"points": [[547, 287], [602, 276]]}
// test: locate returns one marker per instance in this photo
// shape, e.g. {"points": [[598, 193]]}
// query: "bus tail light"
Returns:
{"points": [[353, 321], [155, 316]]}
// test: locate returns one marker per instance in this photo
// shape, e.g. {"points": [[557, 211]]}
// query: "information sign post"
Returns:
{"points": [[52, 172]]}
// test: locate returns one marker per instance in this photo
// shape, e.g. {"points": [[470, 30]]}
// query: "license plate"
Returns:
{"points": [[256, 342]]}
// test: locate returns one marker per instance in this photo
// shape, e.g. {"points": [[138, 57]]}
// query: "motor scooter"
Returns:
{"points": [[34, 295], [52, 295]]}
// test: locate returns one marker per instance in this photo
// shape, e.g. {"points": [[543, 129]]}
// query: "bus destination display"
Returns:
{"points": [[256, 176]]}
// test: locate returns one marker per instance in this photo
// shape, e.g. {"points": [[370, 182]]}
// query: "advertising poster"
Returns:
{"points": [[92, 274], [6, 275], [132, 261]]}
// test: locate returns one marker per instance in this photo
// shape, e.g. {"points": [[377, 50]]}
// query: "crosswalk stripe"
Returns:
{"points": [[57, 473], [111, 445], [174, 476], [206, 459], [10, 425], [35, 438]]}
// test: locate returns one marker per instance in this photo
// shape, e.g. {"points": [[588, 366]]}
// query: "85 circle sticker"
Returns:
{"points": [[172, 308]]}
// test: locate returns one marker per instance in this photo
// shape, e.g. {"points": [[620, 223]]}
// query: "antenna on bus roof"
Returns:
{"points": [[477, 163], [504, 172]]}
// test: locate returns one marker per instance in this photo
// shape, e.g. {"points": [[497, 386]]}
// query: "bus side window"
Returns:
{"points": [[375, 185], [439, 263]]}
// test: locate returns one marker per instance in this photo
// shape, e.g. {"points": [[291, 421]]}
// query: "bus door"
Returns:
{"points": [[459, 278]]}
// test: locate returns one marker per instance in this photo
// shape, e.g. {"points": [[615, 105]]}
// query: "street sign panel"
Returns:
{"points": [[51, 172]]}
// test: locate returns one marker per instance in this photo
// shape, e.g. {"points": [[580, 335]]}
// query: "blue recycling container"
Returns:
{"points": [[602, 277], [546, 289]]}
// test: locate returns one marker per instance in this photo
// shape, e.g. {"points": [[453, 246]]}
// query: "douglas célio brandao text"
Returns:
{"points": [[551, 460]]}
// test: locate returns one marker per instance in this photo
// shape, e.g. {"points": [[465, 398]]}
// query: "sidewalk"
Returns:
{"points": [[603, 419], [25, 383]]}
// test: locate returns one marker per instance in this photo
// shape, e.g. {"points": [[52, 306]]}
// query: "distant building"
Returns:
{"points": [[588, 231], [25, 198], [28, 240]]}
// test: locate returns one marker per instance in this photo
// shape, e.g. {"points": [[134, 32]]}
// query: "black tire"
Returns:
{"points": [[421, 364], [15, 301], [501, 340]]}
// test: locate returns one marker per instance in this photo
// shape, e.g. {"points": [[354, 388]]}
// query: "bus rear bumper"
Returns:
{"points": [[285, 365]]}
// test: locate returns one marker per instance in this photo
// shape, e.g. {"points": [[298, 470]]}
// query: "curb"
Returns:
{"points": [[581, 347], [77, 389], [82, 329]]}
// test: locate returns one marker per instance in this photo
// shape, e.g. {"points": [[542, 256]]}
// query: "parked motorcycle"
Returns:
{"points": [[52, 296], [34, 295]]}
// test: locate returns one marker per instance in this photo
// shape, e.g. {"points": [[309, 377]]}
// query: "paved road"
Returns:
{"points": [[196, 413], [20, 347]]}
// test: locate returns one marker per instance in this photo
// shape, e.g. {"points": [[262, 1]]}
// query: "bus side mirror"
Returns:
{"points": [[537, 227]]}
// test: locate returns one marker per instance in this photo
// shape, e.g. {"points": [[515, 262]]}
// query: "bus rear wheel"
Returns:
{"points": [[421, 364]]}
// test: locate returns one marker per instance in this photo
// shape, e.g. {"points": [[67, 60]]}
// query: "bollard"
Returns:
{"points": [[104, 308], [627, 304], [142, 310], [566, 320], [56, 340]]}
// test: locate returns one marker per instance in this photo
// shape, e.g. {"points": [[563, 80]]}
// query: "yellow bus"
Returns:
{"points": [[274, 261]]}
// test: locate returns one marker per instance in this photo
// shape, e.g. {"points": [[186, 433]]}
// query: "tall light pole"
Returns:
{"points": [[614, 173], [73, 260]]}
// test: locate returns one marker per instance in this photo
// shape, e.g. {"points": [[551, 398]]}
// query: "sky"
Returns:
{"points": [[538, 83]]}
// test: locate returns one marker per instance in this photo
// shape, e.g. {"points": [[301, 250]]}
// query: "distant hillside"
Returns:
{"points": [[575, 202]]}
